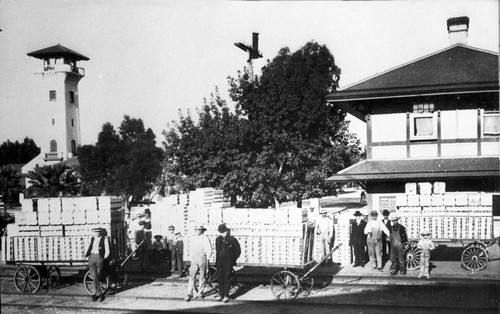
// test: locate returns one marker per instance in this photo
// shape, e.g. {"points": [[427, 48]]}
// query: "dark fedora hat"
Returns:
{"points": [[222, 228], [386, 212], [158, 237], [358, 213]]}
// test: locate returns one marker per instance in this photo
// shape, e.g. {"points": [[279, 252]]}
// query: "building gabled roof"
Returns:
{"points": [[57, 51], [456, 69], [420, 169]]}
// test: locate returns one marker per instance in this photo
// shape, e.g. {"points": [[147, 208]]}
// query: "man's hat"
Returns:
{"points": [[386, 212], [158, 237], [147, 211], [199, 227], [394, 216], [358, 213], [98, 229], [373, 214], [171, 227], [222, 228]]}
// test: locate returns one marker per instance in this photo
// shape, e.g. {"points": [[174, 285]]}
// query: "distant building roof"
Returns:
{"points": [[57, 51], [456, 69], [416, 169]]}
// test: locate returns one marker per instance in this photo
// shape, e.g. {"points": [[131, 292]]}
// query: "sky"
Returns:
{"points": [[151, 58]]}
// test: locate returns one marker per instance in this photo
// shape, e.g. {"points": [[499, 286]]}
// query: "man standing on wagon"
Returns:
{"points": [[97, 252], [227, 252], [325, 232]]}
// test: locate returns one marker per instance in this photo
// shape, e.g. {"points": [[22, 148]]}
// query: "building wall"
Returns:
{"points": [[455, 133]]}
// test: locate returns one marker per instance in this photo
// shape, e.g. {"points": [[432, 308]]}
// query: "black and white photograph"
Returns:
{"points": [[231, 156]]}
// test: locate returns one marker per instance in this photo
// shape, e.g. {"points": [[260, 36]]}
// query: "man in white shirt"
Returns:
{"points": [[374, 229], [97, 252], [324, 230], [201, 250]]}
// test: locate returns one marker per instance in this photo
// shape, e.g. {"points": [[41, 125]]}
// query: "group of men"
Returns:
{"points": [[380, 239]]}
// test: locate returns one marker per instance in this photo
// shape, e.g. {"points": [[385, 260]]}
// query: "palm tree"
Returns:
{"points": [[10, 185], [53, 181]]}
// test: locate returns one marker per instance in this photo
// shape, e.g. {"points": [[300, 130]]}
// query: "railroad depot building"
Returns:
{"points": [[432, 140]]}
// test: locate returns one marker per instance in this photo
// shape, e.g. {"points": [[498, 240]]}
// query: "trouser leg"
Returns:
{"points": [[95, 266], [371, 253], [203, 275], [224, 274], [193, 271], [394, 260], [401, 259], [378, 253]]}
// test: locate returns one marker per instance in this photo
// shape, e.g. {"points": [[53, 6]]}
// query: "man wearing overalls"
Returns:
{"points": [[398, 239], [374, 229]]}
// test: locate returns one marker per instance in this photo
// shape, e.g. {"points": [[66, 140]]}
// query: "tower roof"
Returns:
{"points": [[57, 51]]}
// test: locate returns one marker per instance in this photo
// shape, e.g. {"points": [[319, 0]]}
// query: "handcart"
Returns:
{"points": [[286, 284], [114, 278]]}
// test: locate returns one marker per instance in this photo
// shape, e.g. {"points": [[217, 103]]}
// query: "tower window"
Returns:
{"points": [[53, 146], [53, 121], [52, 95], [71, 97], [72, 122]]}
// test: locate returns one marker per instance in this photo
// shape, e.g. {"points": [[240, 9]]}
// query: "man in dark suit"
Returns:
{"points": [[386, 243], [358, 240], [227, 252]]}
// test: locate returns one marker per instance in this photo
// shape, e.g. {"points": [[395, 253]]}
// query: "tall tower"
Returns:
{"points": [[59, 124]]}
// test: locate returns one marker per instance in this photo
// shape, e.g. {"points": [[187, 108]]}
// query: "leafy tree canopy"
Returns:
{"points": [[53, 181], [124, 162], [18, 153], [10, 184], [281, 142]]}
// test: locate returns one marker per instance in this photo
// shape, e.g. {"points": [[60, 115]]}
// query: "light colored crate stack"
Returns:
{"points": [[215, 215], [280, 215], [424, 188], [439, 188], [28, 231], [401, 200], [342, 235], [413, 200], [233, 215], [411, 188]]}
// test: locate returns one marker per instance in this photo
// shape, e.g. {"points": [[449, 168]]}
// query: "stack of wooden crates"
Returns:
{"points": [[59, 229]]}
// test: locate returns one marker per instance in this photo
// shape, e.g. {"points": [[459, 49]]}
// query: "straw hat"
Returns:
{"points": [[394, 216]]}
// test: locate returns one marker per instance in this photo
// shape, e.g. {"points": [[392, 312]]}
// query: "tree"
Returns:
{"points": [[10, 185], [18, 153], [200, 154], [125, 163], [53, 181], [297, 139]]}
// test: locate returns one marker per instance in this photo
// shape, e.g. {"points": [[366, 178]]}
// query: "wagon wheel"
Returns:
{"points": [[27, 279], [285, 285], [88, 283], [412, 255], [475, 257], [53, 276], [306, 286]]}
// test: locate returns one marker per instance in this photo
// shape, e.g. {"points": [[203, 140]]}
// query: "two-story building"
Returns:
{"points": [[433, 142]]}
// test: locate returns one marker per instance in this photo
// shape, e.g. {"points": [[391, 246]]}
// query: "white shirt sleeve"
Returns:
{"points": [[207, 247]]}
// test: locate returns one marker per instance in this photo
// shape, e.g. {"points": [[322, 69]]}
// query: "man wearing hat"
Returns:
{"points": [[374, 229], [201, 250], [158, 249], [324, 230], [97, 252], [398, 239], [171, 248], [145, 249], [358, 240], [386, 243], [227, 252]]}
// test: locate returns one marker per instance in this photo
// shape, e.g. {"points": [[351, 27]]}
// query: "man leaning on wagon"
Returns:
{"points": [[97, 252], [398, 239], [201, 250]]}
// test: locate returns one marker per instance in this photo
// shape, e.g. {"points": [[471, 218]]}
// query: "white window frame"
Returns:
{"points": [[413, 117], [483, 115]]}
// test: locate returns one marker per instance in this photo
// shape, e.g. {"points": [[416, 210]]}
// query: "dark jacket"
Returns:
{"points": [[358, 236], [233, 246], [102, 248]]}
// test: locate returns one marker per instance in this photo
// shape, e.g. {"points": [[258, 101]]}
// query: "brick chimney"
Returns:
{"points": [[458, 28]]}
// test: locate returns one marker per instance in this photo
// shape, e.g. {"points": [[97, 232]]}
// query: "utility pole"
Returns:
{"points": [[253, 52]]}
